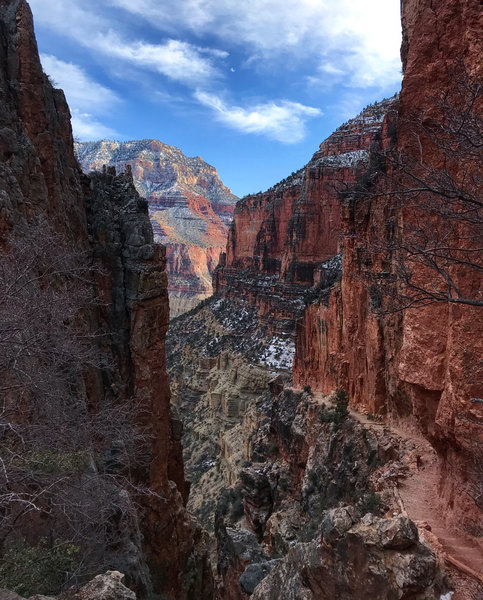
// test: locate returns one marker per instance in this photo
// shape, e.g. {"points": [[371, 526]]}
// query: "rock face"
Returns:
{"points": [[324, 568], [421, 363], [279, 239], [189, 207], [103, 217]]}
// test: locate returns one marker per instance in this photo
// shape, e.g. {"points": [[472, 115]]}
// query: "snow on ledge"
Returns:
{"points": [[348, 159]]}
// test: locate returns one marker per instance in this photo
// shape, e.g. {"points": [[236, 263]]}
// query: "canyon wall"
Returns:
{"points": [[419, 364], [279, 239], [105, 222], [189, 206]]}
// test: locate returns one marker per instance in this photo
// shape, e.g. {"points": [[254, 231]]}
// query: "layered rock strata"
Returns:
{"points": [[216, 377], [105, 221], [419, 365], [189, 207], [279, 238]]}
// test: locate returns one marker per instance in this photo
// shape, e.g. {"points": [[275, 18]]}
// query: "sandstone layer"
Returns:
{"points": [[189, 207], [279, 239], [106, 223]]}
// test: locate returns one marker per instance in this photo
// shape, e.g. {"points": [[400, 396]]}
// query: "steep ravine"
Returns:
{"points": [[321, 264], [332, 447]]}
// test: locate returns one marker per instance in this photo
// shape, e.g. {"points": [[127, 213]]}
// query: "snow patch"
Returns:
{"points": [[279, 354], [347, 159]]}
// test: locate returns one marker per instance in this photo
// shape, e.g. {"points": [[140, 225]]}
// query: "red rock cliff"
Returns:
{"points": [[279, 238], [422, 363]]}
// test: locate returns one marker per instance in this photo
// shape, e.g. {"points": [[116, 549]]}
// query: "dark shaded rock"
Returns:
{"points": [[257, 498], [399, 533], [254, 573]]}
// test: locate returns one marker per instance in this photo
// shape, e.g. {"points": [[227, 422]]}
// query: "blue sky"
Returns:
{"points": [[251, 86]]}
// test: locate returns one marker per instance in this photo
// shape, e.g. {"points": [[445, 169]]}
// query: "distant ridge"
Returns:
{"points": [[190, 208]]}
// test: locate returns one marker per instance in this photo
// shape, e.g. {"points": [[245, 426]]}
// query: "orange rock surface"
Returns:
{"points": [[423, 364]]}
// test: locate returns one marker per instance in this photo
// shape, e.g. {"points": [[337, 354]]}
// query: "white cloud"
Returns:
{"points": [[360, 38], [178, 60], [351, 43], [87, 99], [87, 127], [81, 91], [283, 121]]}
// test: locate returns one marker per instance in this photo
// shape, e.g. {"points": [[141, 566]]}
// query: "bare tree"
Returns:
{"points": [[65, 466], [432, 197]]}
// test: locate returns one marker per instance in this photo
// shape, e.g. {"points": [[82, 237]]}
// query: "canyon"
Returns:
{"points": [[310, 431], [189, 207], [318, 265]]}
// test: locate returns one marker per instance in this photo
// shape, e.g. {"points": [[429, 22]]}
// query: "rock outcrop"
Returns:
{"points": [[307, 455], [331, 565], [279, 239], [103, 219], [189, 206]]}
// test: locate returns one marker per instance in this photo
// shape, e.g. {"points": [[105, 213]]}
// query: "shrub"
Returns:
{"points": [[341, 411], [370, 503], [40, 569], [237, 509]]}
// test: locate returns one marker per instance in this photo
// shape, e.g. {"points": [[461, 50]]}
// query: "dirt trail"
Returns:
{"points": [[419, 495]]}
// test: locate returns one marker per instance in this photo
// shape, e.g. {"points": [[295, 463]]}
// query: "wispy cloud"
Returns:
{"points": [[88, 100], [87, 127], [361, 39], [81, 91], [283, 121], [178, 60]]}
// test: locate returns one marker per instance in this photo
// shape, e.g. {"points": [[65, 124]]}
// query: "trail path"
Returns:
{"points": [[419, 495]]}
